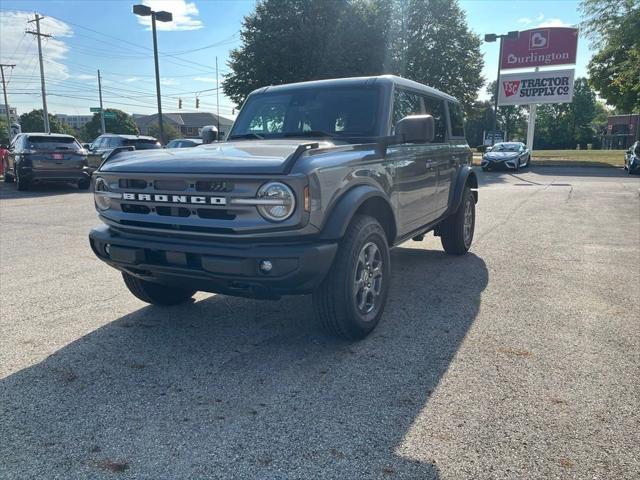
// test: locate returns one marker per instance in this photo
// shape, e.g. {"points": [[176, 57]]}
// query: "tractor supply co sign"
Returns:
{"points": [[553, 86], [540, 47]]}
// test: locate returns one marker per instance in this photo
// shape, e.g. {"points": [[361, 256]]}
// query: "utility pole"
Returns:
{"points": [[104, 130], [217, 97], [6, 102], [44, 93]]}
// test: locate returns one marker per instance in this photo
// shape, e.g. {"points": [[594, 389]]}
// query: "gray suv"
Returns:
{"points": [[316, 182]]}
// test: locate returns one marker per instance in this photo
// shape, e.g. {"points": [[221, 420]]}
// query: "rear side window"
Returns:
{"points": [[51, 142], [435, 108], [142, 144], [457, 120], [405, 103]]}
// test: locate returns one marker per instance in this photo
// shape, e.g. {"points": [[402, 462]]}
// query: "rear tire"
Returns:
{"points": [[84, 184], [350, 301], [155, 293], [456, 233], [8, 178], [21, 183]]}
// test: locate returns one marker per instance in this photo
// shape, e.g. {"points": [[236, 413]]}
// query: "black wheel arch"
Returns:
{"points": [[360, 199], [466, 176]]}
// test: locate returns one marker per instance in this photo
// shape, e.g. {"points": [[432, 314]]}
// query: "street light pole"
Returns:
{"points": [[492, 37], [145, 11]]}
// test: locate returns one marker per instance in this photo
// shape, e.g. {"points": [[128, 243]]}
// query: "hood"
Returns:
{"points": [[242, 157], [501, 155]]}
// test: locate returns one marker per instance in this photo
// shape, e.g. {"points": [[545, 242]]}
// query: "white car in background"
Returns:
{"points": [[511, 155]]}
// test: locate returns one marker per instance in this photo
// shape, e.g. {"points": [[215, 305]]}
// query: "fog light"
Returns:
{"points": [[265, 266]]}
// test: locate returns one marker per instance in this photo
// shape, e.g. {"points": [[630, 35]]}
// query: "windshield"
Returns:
{"points": [[50, 142], [142, 143], [347, 113], [506, 147]]}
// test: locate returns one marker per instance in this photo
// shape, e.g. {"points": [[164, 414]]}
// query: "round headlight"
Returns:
{"points": [[277, 201], [100, 194]]}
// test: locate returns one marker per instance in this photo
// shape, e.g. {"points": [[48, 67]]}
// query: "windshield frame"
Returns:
{"points": [[377, 130]]}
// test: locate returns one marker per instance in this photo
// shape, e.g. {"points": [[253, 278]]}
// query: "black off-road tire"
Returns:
{"points": [[452, 231], [336, 300], [84, 184], [21, 183], [156, 293]]}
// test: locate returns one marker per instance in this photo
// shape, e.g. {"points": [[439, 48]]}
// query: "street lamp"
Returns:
{"points": [[492, 37], [145, 11]]}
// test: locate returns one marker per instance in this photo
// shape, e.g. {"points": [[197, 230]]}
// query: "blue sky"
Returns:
{"points": [[104, 34]]}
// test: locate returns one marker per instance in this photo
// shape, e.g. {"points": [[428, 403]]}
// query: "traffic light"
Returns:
{"points": [[197, 102], [179, 104]]}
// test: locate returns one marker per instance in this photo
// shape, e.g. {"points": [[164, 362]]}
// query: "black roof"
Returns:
{"points": [[129, 137], [358, 81]]}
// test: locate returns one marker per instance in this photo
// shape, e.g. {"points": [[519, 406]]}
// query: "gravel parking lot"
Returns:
{"points": [[519, 360]]}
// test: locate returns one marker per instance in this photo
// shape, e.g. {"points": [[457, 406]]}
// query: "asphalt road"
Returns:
{"points": [[519, 360]]}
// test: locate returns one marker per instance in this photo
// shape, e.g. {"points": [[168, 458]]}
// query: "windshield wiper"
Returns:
{"points": [[308, 133], [247, 135]]}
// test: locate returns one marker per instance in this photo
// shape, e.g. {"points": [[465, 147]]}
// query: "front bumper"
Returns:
{"points": [[509, 163], [231, 269]]}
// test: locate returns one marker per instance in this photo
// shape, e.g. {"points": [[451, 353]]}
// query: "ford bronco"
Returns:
{"points": [[316, 181]]}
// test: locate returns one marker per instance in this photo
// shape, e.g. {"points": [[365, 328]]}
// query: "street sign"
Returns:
{"points": [[552, 86], [540, 47], [109, 115], [95, 109], [497, 138]]}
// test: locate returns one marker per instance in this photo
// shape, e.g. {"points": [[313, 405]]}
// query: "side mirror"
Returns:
{"points": [[86, 146], [209, 134], [416, 129]]}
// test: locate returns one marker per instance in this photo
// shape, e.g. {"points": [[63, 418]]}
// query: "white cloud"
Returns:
{"points": [[168, 81], [525, 20], [184, 15], [85, 76], [205, 79], [553, 22], [540, 17], [22, 49], [131, 79]]}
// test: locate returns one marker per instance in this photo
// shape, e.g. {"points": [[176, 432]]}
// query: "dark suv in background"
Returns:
{"points": [[108, 142], [46, 157]]}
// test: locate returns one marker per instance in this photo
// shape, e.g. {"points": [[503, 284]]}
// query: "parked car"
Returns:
{"points": [[317, 181], [46, 157], [184, 143], [108, 142], [511, 155], [632, 158]]}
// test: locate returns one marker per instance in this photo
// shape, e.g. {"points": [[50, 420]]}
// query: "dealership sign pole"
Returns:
{"points": [[539, 47]]}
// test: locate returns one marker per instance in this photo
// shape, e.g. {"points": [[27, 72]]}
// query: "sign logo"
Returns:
{"points": [[175, 199], [554, 86], [511, 88], [540, 47], [538, 39]]}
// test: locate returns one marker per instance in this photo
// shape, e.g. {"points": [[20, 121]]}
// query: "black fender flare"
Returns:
{"points": [[466, 174], [338, 218]]}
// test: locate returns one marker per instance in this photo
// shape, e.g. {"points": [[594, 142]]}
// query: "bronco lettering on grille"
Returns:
{"points": [[163, 198]]}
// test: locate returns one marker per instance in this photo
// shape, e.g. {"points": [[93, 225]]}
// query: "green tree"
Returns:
{"points": [[169, 131], [433, 45], [286, 41], [614, 70], [122, 123], [583, 112], [479, 118], [33, 121]]}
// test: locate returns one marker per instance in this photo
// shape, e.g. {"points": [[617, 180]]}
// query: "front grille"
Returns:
{"points": [[173, 211], [133, 183], [214, 186], [131, 208], [177, 227], [171, 185]]}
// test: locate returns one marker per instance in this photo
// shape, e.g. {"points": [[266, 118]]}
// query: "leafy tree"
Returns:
{"points": [[286, 41], [122, 123], [434, 46], [583, 112], [33, 121], [169, 131], [613, 26], [479, 118], [511, 118]]}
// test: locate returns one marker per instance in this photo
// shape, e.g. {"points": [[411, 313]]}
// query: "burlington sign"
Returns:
{"points": [[540, 47], [552, 86]]}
